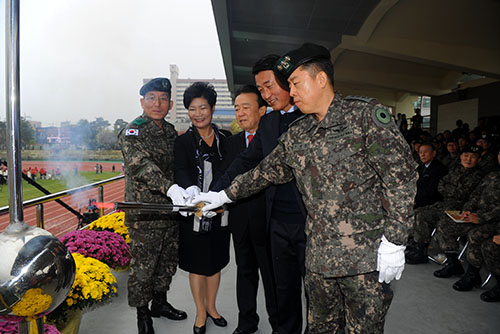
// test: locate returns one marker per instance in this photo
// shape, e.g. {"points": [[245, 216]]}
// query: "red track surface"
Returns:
{"points": [[58, 220]]}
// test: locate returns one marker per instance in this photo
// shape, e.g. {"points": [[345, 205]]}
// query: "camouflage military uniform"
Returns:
{"points": [[476, 237], [456, 186], [491, 255], [450, 161], [483, 201], [149, 172], [357, 179], [488, 163]]}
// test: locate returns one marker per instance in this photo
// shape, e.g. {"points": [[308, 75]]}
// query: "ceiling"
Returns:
{"points": [[382, 48]]}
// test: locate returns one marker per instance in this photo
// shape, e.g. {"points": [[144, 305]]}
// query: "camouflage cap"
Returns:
{"points": [[156, 84], [288, 63], [473, 149]]}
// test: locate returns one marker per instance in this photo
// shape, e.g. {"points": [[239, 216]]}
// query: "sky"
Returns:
{"points": [[82, 59]]}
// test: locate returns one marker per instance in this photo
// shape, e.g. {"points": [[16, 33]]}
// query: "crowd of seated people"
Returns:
{"points": [[459, 171]]}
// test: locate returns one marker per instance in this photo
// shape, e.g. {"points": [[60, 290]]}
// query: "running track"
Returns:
{"points": [[58, 220]]}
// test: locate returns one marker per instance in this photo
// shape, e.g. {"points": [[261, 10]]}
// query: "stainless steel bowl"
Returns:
{"points": [[33, 258]]}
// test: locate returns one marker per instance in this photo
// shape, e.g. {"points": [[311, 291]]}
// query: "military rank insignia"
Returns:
{"points": [[381, 116], [284, 64], [132, 132]]}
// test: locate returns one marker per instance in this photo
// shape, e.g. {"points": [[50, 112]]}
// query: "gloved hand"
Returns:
{"points": [[213, 200], [177, 194], [390, 261], [192, 191]]}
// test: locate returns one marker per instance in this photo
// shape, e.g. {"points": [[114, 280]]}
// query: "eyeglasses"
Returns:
{"points": [[152, 99]]}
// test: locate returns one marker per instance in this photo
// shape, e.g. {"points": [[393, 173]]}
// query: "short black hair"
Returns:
{"points": [[251, 89], [200, 89], [265, 63], [318, 65], [427, 143]]}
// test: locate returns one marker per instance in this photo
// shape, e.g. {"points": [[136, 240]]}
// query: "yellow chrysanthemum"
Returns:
{"points": [[33, 302]]}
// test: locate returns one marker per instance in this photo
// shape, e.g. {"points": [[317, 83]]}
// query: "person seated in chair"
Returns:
{"points": [[452, 158], [481, 209], [455, 187]]}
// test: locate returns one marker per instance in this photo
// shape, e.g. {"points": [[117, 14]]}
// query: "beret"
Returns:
{"points": [[288, 63], [473, 149], [156, 84]]}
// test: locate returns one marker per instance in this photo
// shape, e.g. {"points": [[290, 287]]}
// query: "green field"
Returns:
{"points": [[30, 192]]}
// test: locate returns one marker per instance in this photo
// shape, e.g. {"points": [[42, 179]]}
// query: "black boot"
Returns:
{"points": [[160, 307], [493, 295], [418, 254], [144, 321], [452, 267], [469, 280]]}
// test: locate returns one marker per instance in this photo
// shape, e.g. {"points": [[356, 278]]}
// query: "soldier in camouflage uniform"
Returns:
{"points": [[481, 248], [452, 159], [147, 145], [481, 209], [488, 161], [357, 179], [455, 187]]}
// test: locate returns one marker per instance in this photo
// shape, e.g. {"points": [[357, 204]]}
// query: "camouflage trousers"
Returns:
{"points": [[426, 219], [491, 257], [476, 237], [448, 231], [359, 303], [154, 262]]}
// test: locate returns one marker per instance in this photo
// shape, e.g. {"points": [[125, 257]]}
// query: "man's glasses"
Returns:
{"points": [[152, 99]]}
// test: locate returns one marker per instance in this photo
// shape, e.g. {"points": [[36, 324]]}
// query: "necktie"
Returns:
{"points": [[250, 137]]}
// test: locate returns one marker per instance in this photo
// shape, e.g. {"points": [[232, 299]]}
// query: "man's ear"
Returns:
{"points": [[142, 103], [171, 105], [262, 110], [322, 79]]}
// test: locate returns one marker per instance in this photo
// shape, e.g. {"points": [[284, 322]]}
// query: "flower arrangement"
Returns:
{"points": [[114, 222], [34, 302], [105, 246], [94, 285], [12, 327]]}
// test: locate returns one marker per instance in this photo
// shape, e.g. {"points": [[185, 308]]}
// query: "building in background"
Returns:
{"points": [[224, 108]]}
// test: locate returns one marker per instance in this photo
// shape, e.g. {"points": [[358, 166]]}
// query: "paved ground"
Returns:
{"points": [[422, 304]]}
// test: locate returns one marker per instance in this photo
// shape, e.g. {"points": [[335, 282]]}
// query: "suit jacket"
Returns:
{"points": [[265, 140], [247, 216], [427, 183]]}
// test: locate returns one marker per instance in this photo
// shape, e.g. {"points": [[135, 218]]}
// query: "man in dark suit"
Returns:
{"points": [[430, 171], [247, 223], [285, 211]]}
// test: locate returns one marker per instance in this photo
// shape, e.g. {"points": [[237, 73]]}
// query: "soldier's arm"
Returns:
{"points": [[489, 209], [243, 162], [389, 155], [271, 170], [140, 165], [472, 203]]}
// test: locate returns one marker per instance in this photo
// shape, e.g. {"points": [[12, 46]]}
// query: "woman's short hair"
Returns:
{"points": [[200, 89]]}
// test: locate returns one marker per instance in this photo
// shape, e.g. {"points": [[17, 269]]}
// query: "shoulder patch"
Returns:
{"points": [[139, 121], [359, 98], [132, 132], [381, 116]]}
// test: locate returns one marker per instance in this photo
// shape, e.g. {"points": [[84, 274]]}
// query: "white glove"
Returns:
{"points": [[177, 194], [213, 200], [390, 261], [192, 191]]}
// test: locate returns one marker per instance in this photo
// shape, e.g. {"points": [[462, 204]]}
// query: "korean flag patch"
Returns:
{"points": [[132, 132]]}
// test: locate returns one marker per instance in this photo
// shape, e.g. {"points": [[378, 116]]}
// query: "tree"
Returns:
{"points": [[119, 124], [27, 132], [106, 140], [3, 135]]}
